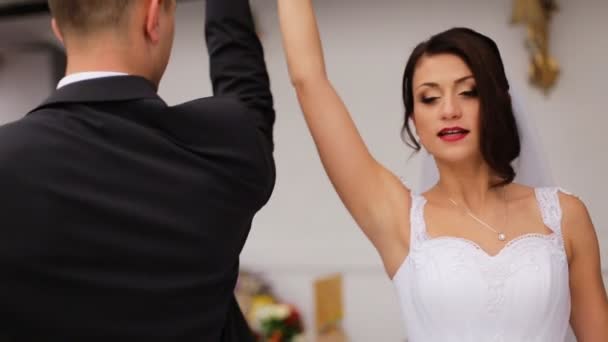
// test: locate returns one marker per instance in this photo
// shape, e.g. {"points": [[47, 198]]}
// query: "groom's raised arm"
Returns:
{"points": [[237, 65]]}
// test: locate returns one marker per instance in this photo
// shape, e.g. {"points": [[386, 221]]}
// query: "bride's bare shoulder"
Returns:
{"points": [[518, 191], [571, 205]]}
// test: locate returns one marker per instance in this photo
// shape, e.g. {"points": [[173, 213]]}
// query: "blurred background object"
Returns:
{"points": [[536, 16]]}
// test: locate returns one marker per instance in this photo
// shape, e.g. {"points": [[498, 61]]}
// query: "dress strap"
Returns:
{"points": [[417, 224], [548, 202]]}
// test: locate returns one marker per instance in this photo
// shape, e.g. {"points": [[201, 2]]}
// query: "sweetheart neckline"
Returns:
{"points": [[550, 236], [509, 245]]}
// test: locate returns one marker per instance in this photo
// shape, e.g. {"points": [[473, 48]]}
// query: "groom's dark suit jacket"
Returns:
{"points": [[122, 218]]}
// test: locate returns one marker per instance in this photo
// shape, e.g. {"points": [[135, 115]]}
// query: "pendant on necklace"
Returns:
{"points": [[502, 236]]}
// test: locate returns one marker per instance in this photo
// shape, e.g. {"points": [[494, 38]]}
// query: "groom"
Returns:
{"points": [[123, 218]]}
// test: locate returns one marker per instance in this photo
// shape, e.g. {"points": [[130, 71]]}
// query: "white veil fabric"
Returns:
{"points": [[531, 167]]}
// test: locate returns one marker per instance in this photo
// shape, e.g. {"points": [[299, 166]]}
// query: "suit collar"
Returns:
{"points": [[86, 75], [106, 89]]}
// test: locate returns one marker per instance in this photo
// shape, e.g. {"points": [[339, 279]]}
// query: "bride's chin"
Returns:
{"points": [[458, 158]]}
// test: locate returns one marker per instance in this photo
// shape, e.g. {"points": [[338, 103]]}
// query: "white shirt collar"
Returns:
{"points": [[89, 75]]}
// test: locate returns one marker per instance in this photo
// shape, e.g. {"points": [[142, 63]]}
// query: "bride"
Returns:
{"points": [[477, 257]]}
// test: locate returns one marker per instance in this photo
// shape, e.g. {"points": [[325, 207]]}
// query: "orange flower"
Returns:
{"points": [[277, 336]]}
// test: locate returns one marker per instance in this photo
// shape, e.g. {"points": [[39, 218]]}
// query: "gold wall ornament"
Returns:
{"points": [[536, 16]]}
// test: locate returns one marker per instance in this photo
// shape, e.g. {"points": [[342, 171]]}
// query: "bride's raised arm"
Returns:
{"points": [[372, 194]]}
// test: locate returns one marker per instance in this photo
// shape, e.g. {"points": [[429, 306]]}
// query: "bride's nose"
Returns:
{"points": [[450, 108]]}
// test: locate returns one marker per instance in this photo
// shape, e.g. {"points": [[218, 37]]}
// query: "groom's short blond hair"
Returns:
{"points": [[88, 16]]}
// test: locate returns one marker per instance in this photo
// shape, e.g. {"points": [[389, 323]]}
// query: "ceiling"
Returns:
{"points": [[12, 2], [21, 7], [23, 22]]}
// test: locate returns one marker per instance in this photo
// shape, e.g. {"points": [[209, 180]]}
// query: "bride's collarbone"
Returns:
{"points": [[522, 219]]}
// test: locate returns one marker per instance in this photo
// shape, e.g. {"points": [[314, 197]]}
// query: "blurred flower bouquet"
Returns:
{"points": [[276, 322], [270, 320]]}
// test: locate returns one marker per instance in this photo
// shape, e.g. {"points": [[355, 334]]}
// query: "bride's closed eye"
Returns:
{"points": [[470, 93], [428, 99]]}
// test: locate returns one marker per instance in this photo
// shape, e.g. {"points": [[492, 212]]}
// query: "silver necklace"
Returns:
{"points": [[501, 235]]}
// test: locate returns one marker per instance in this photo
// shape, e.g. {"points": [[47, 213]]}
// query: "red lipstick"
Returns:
{"points": [[450, 134]]}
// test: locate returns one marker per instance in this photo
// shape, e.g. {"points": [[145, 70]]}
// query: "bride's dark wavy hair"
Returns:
{"points": [[499, 138]]}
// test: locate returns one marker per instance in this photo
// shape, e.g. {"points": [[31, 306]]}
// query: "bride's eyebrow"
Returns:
{"points": [[436, 85], [462, 79]]}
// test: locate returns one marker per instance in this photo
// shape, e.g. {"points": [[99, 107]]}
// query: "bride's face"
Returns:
{"points": [[446, 108]]}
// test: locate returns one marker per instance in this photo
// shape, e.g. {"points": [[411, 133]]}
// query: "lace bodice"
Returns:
{"points": [[450, 289]]}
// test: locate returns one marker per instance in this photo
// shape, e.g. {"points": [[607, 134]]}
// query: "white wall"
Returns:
{"points": [[304, 231], [25, 67], [25, 79]]}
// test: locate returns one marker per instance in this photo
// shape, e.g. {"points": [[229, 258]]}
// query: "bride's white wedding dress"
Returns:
{"points": [[450, 289]]}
